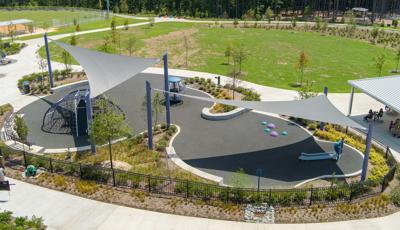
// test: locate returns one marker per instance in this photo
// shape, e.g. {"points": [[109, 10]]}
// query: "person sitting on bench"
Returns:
{"points": [[379, 115], [370, 115]]}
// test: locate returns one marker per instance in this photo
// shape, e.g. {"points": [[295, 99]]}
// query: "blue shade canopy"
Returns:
{"points": [[106, 71], [384, 89]]}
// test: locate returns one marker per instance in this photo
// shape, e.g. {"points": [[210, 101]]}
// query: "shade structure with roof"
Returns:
{"points": [[20, 26]]}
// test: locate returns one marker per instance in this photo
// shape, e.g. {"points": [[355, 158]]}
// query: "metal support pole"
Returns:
{"points": [[366, 153], [351, 101], [322, 124], [149, 116], [166, 89], [108, 9], [46, 43], [89, 118]]}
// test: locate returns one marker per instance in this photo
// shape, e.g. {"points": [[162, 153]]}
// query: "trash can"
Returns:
{"points": [[26, 87]]}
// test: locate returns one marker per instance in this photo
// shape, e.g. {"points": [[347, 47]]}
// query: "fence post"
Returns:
{"points": [[270, 196], [80, 170], [149, 182], [51, 165], [25, 163], [351, 193], [187, 188], [383, 184], [311, 196], [387, 152]]}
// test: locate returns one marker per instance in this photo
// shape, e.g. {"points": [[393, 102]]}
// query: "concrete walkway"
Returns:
{"points": [[65, 211]]}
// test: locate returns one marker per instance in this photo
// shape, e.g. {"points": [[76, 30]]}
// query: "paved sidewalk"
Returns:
{"points": [[65, 211]]}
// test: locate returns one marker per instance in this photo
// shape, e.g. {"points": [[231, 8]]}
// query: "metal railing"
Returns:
{"points": [[204, 191]]}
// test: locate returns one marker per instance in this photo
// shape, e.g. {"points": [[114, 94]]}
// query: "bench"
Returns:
{"points": [[4, 185]]}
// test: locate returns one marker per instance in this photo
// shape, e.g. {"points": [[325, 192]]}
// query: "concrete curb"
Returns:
{"points": [[206, 114]]}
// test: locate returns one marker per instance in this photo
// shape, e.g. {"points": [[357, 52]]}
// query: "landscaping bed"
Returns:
{"points": [[8, 221], [39, 82], [11, 48], [5, 111]]}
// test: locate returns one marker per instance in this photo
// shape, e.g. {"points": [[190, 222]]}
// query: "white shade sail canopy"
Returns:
{"points": [[384, 89], [317, 109], [106, 71]]}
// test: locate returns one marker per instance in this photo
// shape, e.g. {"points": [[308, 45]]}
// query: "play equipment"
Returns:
{"points": [[285, 133], [264, 123], [271, 126], [30, 171], [274, 134], [267, 130], [338, 147], [176, 86]]}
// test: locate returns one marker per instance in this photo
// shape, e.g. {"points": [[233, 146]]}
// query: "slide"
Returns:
{"points": [[318, 156]]}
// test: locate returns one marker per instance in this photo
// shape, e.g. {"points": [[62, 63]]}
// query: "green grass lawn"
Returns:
{"points": [[272, 54]]}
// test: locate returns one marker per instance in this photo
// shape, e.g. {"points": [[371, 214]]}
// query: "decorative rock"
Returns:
{"points": [[271, 126], [274, 134], [267, 130], [285, 133]]}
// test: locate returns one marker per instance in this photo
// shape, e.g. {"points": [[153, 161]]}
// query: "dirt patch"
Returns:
{"points": [[181, 45], [117, 165]]}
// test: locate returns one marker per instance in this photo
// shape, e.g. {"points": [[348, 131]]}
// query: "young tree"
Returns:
{"points": [[239, 55], [379, 63], [307, 91], [302, 63], [157, 107], [67, 60], [307, 12], [186, 44], [11, 31], [126, 24], [397, 59], [77, 28], [131, 45], [123, 6], [269, 14], [106, 44], [228, 53], [106, 126], [73, 41], [113, 24], [21, 128], [100, 4], [374, 34], [42, 63]]}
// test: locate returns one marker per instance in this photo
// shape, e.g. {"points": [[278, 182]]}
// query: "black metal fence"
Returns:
{"points": [[204, 191]]}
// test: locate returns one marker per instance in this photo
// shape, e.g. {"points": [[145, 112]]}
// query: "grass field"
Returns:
{"points": [[62, 21], [272, 54]]}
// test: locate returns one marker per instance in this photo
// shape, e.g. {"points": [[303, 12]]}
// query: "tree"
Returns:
{"points": [[106, 126], [131, 45], [307, 91], [77, 28], [240, 179], [67, 60], [11, 31], [379, 63], [73, 41], [123, 6], [113, 24], [100, 4], [239, 55], [157, 107], [228, 52], [397, 59], [126, 24], [42, 63], [106, 44], [302, 63], [186, 44], [21, 128], [269, 14], [374, 34]]}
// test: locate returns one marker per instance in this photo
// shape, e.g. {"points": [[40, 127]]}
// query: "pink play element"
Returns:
{"points": [[271, 126], [274, 134]]}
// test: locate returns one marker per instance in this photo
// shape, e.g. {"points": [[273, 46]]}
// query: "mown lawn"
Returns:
{"points": [[272, 54]]}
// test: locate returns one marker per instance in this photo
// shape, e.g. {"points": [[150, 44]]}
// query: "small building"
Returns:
{"points": [[18, 26]]}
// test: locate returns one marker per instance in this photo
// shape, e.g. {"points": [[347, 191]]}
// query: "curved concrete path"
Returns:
{"points": [[64, 211]]}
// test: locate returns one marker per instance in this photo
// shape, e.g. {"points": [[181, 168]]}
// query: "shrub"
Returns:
{"points": [[86, 187], [60, 181], [395, 196], [161, 145]]}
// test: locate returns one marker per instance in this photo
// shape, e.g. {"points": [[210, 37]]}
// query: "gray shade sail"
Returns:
{"points": [[384, 89], [317, 109], [105, 71]]}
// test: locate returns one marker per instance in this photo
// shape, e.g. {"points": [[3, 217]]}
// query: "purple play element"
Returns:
{"points": [[274, 134], [271, 126]]}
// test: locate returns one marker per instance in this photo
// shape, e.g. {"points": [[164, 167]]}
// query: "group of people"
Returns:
{"points": [[374, 115]]}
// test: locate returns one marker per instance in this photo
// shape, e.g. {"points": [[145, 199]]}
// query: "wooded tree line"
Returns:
{"points": [[221, 8]]}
